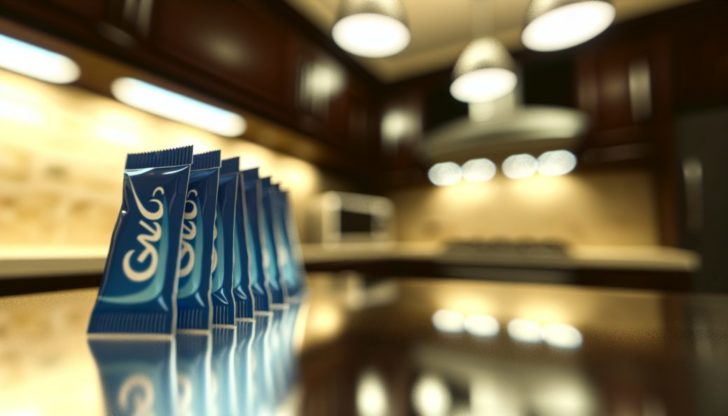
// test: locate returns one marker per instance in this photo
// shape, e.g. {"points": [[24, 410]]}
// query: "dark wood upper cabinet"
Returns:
{"points": [[232, 41], [361, 128], [330, 99], [319, 83], [615, 87], [253, 55]]}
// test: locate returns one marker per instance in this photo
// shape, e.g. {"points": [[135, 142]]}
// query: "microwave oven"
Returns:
{"points": [[343, 217]]}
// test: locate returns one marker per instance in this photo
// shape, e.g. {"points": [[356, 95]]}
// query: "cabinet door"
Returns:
{"points": [[615, 84], [360, 123], [236, 42], [320, 92]]}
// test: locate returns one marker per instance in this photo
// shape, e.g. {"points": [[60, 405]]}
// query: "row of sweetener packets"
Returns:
{"points": [[197, 244]]}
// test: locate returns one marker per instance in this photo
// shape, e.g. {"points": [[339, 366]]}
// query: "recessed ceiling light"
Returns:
{"points": [[371, 28], [178, 107], [559, 24], [37, 62]]}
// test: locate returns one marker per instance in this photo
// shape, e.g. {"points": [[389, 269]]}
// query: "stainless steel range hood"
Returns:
{"points": [[499, 129]]}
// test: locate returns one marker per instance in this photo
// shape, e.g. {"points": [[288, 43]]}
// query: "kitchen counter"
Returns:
{"points": [[464, 346], [605, 257], [627, 267], [53, 261], [36, 269], [34, 261]]}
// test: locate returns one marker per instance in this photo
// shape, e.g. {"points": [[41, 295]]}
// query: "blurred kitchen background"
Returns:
{"points": [[597, 164]]}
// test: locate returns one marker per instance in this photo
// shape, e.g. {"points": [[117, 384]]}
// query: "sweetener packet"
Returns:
{"points": [[244, 307], [223, 303], [138, 294], [270, 257], [288, 265], [194, 294], [258, 284]]}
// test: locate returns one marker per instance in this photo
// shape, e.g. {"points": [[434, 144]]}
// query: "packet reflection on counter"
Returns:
{"points": [[247, 387], [139, 287], [223, 380], [194, 354], [138, 377]]}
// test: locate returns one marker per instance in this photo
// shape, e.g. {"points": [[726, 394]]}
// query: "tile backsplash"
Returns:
{"points": [[615, 207], [62, 152]]}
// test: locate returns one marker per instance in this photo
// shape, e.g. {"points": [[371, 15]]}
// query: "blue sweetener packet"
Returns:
{"points": [[244, 306], [270, 257], [194, 311], [223, 303], [293, 243], [287, 261], [138, 293], [258, 283]]}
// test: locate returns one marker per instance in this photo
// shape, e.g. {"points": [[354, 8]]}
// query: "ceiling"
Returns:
{"points": [[441, 29]]}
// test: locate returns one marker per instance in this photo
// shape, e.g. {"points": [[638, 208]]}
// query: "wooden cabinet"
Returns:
{"points": [[320, 82], [330, 99], [615, 86], [361, 122], [249, 54], [234, 42]]}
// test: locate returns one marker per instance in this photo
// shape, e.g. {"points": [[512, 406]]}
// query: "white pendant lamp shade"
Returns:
{"points": [[371, 28], [559, 24], [483, 72]]}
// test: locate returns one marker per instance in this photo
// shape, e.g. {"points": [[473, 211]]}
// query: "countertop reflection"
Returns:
{"points": [[393, 347]]}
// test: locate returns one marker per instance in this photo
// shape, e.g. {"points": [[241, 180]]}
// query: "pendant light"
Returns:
{"points": [[484, 71], [371, 28], [559, 24]]}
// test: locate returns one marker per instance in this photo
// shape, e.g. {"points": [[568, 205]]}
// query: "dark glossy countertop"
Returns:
{"points": [[356, 347]]}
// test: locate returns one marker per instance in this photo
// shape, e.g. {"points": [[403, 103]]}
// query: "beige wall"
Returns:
{"points": [[597, 208], [62, 152]]}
